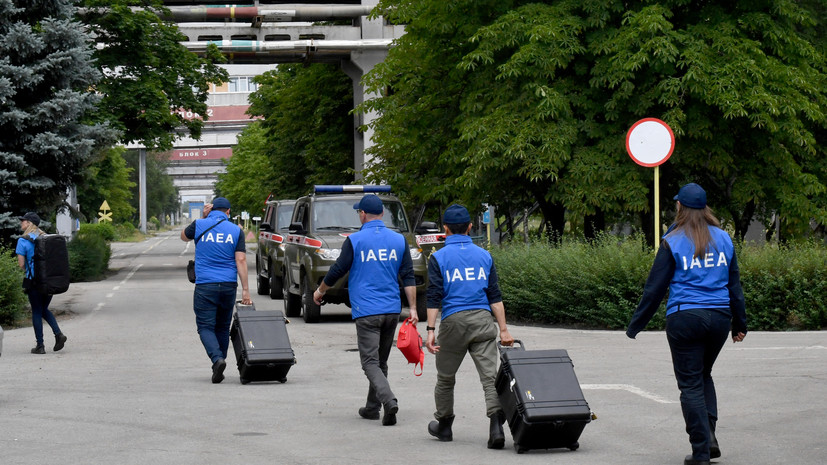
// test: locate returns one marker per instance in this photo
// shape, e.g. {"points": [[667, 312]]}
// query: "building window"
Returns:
{"points": [[241, 84]]}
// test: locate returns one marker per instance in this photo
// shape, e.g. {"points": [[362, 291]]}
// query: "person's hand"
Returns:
{"points": [[430, 343], [738, 337], [317, 297], [245, 297], [207, 209], [505, 338], [414, 316]]}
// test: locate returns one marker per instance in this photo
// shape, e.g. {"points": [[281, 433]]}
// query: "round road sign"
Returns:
{"points": [[650, 142]]}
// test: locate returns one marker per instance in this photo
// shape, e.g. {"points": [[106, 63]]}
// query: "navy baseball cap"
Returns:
{"points": [[31, 217], [221, 202], [456, 214], [370, 203], [692, 196]]}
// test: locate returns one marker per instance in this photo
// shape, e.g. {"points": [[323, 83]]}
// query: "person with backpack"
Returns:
{"points": [[29, 224]]}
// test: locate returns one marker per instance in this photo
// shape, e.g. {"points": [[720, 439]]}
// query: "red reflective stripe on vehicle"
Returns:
{"points": [[277, 238], [302, 240]]}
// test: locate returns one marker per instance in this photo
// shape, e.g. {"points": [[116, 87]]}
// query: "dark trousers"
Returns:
{"points": [[374, 336], [40, 311], [695, 338], [213, 304]]}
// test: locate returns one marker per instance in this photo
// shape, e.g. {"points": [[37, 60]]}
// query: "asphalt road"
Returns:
{"points": [[133, 386]]}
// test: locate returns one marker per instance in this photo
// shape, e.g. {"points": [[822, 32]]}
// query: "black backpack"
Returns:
{"points": [[51, 264]]}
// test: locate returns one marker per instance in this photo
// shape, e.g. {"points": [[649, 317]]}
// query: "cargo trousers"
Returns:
{"points": [[473, 332]]}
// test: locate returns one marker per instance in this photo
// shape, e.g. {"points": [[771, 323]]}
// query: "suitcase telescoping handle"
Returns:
{"points": [[513, 346]]}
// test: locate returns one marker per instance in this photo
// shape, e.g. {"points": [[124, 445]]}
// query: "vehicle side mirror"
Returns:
{"points": [[265, 227], [297, 228], [427, 227]]}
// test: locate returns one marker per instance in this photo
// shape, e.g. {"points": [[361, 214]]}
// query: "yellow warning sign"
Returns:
{"points": [[104, 216]]}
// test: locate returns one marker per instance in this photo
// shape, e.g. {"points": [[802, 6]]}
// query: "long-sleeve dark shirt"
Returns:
{"points": [[660, 277]]}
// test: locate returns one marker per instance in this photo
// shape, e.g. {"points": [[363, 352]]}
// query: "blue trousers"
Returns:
{"points": [[40, 311], [695, 338], [213, 304]]}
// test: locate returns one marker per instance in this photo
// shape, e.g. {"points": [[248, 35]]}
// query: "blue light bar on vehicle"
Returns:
{"points": [[320, 188]]}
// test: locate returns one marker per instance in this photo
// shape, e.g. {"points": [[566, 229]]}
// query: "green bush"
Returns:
{"points": [[104, 229], [598, 285], [124, 231], [89, 253], [785, 287], [593, 285], [12, 299]]}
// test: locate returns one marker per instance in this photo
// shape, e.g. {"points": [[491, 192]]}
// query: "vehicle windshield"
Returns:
{"points": [[285, 212], [339, 215]]}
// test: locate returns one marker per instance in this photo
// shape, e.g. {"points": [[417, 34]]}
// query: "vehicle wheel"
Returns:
{"points": [[262, 284], [292, 302], [421, 307], [276, 284], [312, 312]]}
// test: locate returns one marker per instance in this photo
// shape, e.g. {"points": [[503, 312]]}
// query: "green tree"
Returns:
{"points": [[248, 179], [108, 179], [46, 73], [541, 94], [150, 79], [308, 133]]}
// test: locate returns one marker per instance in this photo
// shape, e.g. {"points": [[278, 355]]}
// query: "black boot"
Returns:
{"points": [[689, 460], [714, 450], [496, 436], [442, 429]]}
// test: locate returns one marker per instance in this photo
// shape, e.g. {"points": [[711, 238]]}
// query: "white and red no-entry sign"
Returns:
{"points": [[650, 142]]}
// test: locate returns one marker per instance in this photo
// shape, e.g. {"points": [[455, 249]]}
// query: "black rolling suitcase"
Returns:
{"points": [[542, 399], [262, 347]]}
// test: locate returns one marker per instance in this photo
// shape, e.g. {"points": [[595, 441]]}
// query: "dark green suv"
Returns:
{"points": [[272, 234], [321, 222]]}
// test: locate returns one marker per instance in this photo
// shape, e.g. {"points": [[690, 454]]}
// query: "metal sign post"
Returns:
{"points": [[650, 143]]}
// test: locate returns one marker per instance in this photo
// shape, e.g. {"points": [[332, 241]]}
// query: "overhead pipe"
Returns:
{"points": [[275, 46], [262, 13]]}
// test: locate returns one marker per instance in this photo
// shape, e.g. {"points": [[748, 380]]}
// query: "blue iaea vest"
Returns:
{"points": [[699, 282], [465, 268], [215, 251], [373, 281]]}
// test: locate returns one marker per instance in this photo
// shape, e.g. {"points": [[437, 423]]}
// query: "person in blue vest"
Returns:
{"points": [[462, 280], [220, 255], [377, 259], [696, 262], [29, 224]]}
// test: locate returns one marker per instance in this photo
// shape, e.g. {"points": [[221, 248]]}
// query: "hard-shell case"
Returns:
{"points": [[261, 344], [541, 398]]}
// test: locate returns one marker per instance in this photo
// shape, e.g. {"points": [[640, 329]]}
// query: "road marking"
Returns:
{"points": [[186, 249], [629, 388], [781, 348], [131, 273]]}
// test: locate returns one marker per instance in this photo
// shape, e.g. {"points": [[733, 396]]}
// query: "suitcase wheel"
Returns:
{"points": [[283, 380], [519, 449], [574, 446], [245, 381]]}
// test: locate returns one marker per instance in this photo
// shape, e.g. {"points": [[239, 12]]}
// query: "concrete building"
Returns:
{"points": [[255, 39]]}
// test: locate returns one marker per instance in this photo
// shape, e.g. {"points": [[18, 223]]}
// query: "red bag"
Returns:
{"points": [[410, 343]]}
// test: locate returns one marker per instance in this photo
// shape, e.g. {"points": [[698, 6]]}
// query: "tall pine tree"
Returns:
{"points": [[46, 96]]}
